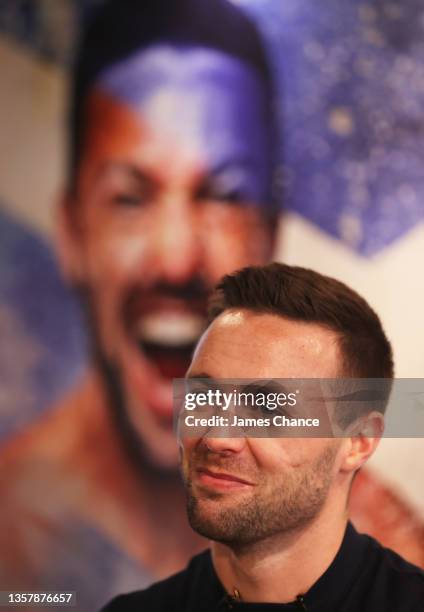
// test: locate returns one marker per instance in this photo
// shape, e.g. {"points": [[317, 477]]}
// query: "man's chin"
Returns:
{"points": [[209, 521]]}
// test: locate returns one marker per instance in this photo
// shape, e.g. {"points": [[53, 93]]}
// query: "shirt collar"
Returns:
{"points": [[327, 592]]}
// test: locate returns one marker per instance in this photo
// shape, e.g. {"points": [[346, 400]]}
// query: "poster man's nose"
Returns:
{"points": [[177, 248]]}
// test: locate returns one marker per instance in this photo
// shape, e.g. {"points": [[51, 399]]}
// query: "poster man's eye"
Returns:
{"points": [[129, 199], [211, 191], [135, 195], [225, 186], [129, 187]]}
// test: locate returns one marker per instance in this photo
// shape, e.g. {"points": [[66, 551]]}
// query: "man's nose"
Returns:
{"points": [[175, 240], [223, 445]]}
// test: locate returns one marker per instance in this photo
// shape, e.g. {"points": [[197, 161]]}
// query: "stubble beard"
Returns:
{"points": [[271, 508]]}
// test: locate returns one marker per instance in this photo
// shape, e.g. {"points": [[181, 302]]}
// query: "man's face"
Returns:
{"points": [[242, 490], [170, 195]]}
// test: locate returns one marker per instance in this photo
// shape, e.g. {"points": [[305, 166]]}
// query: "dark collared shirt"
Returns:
{"points": [[363, 577]]}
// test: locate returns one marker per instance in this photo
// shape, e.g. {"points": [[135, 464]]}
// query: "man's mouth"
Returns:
{"points": [[223, 476], [221, 480], [168, 340], [162, 330]]}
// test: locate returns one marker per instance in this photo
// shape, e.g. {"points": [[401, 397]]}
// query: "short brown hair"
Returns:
{"points": [[305, 295]]}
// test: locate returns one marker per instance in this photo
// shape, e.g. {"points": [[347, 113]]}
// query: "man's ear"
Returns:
{"points": [[363, 437], [68, 241]]}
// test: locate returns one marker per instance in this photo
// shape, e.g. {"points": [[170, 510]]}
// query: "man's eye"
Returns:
{"points": [[228, 186], [129, 199], [234, 196], [265, 409], [268, 407]]}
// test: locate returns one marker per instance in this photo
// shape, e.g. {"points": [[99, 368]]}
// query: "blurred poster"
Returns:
{"points": [[190, 125]]}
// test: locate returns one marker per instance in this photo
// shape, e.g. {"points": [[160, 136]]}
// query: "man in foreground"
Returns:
{"points": [[276, 508]]}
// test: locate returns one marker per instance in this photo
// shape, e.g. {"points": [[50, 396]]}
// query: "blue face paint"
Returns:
{"points": [[206, 101]]}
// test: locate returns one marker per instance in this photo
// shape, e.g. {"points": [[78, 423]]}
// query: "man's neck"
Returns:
{"points": [[280, 569]]}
